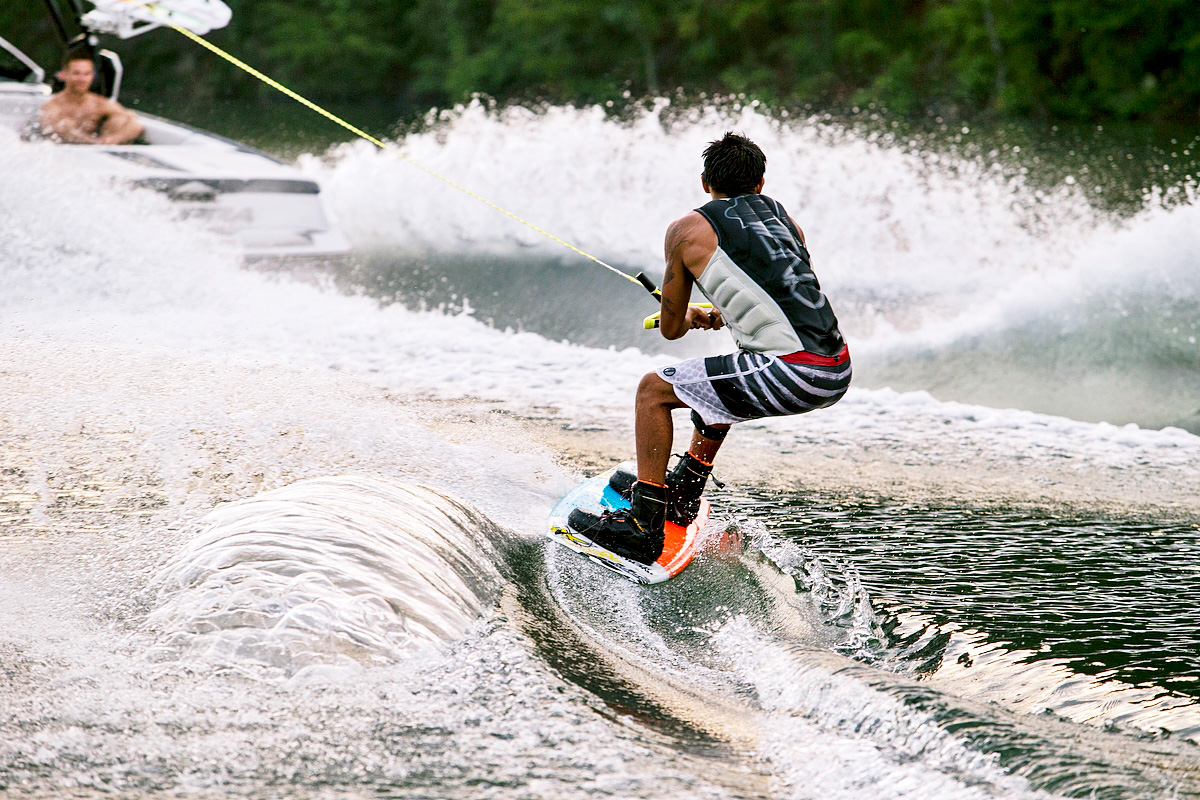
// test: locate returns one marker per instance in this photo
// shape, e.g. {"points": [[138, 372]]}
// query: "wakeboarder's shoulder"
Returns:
{"points": [[690, 241], [799, 230], [687, 225], [695, 225]]}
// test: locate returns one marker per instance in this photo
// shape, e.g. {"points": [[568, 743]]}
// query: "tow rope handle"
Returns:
{"points": [[654, 320]]}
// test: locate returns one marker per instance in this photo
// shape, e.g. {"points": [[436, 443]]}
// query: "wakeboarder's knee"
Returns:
{"points": [[653, 390]]}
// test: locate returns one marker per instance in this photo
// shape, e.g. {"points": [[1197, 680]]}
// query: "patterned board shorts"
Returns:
{"points": [[742, 386]]}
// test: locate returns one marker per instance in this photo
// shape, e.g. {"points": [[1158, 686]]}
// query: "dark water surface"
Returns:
{"points": [[559, 299], [1113, 598]]}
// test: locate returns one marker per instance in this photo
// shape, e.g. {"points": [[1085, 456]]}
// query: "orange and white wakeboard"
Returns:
{"points": [[596, 496]]}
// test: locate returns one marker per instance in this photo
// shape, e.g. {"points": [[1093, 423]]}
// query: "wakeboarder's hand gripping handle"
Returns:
{"points": [[651, 322]]}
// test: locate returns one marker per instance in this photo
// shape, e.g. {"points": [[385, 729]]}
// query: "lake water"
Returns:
{"points": [[274, 530]]}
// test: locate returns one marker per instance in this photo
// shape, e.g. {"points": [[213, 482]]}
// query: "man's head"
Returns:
{"points": [[733, 165], [78, 72]]}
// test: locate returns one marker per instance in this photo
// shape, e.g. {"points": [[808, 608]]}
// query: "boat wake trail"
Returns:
{"points": [[780, 654], [358, 636], [735, 651], [327, 574]]}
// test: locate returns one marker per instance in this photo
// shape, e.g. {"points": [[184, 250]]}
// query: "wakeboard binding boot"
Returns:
{"points": [[685, 484], [635, 533]]}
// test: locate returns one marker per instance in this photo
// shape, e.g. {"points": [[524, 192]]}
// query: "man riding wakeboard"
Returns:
{"points": [[749, 258]]}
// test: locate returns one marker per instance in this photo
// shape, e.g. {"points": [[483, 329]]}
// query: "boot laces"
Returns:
{"points": [[718, 483]]}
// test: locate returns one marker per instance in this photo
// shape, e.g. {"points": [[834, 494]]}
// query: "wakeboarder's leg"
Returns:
{"points": [[638, 533], [704, 448], [653, 427], [655, 432], [686, 482]]}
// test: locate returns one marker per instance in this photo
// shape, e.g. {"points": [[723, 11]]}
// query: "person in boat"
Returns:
{"points": [[749, 258], [80, 116]]}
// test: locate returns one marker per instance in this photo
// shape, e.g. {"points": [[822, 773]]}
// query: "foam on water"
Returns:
{"points": [[755, 651], [922, 255], [965, 661], [889, 751], [137, 340], [876, 215], [126, 274], [328, 572]]}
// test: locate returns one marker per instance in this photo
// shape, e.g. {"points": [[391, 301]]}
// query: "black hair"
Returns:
{"points": [[733, 165], [76, 54]]}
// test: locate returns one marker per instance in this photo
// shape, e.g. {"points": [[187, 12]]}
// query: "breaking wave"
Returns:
{"points": [[327, 572], [949, 273]]}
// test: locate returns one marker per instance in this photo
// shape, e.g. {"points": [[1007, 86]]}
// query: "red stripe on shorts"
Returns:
{"points": [[801, 357]]}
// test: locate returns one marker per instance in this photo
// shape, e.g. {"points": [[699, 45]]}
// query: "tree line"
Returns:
{"points": [[1052, 59]]}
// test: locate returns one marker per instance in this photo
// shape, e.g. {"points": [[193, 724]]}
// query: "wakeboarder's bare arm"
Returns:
{"points": [[690, 243], [799, 230]]}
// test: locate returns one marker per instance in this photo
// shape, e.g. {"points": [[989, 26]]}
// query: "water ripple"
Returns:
{"points": [[1094, 618], [327, 572]]}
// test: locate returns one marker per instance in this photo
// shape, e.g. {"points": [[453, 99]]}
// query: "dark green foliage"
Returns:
{"points": [[1072, 59]]}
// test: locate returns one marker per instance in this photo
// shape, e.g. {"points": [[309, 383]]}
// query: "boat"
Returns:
{"points": [[267, 208]]}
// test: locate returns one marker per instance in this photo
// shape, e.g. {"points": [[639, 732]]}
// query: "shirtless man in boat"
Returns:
{"points": [[78, 115]]}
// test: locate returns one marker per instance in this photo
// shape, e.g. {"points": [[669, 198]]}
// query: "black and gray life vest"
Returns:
{"points": [[761, 280]]}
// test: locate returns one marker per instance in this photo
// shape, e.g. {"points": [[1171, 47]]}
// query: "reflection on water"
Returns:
{"points": [[569, 299], [1117, 599]]}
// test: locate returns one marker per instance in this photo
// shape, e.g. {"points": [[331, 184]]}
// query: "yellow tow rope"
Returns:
{"points": [[274, 84]]}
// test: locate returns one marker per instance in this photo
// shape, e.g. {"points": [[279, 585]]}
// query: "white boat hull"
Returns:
{"points": [[267, 208]]}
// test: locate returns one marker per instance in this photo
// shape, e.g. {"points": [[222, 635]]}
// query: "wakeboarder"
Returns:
{"points": [[750, 259]]}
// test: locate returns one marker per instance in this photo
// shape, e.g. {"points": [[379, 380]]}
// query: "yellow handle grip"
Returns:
{"points": [[651, 322]]}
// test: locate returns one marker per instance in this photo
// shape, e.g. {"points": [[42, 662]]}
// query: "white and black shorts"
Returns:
{"points": [[742, 386]]}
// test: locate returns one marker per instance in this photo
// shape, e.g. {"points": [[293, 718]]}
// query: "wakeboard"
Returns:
{"points": [[595, 495]]}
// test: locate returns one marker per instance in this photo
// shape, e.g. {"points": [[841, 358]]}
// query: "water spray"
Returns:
{"points": [[127, 18]]}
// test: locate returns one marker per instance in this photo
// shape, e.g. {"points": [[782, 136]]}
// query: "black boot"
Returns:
{"points": [[636, 534], [622, 482], [685, 484]]}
